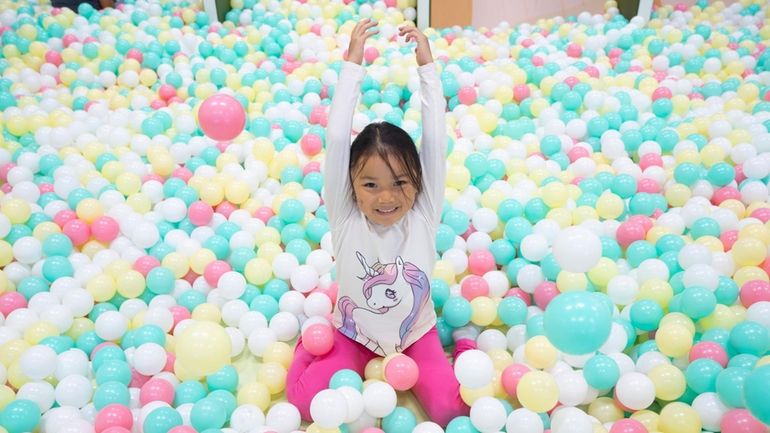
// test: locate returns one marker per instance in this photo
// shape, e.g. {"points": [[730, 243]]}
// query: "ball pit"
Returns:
{"points": [[163, 239]]}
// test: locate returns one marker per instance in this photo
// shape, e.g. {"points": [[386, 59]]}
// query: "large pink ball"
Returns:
{"points": [[318, 339], [401, 372], [113, 415], [741, 421], [221, 117], [628, 426]]}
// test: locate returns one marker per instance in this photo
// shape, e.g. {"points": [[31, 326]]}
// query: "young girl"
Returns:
{"points": [[384, 202]]}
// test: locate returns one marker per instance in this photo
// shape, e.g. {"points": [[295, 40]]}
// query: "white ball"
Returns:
{"points": [[573, 387], [488, 414], [246, 417], [232, 285], [484, 220], [283, 417], [317, 304], [354, 401], [284, 265], [491, 339], [285, 326], [379, 399], [328, 408], [27, 250], [759, 312], [701, 275], [111, 325], [622, 289], [427, 427], [259, 339], [529, 277], [38, 362], [40, 392], [710, 409], [473, 369], [523, 420], [534, 247], [304, 278], [149, 359], [74, 390], [635, 391], [71, 362], [577, 249]]}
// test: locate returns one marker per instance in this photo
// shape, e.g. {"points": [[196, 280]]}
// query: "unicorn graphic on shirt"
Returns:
{"points": [[394, 292]]}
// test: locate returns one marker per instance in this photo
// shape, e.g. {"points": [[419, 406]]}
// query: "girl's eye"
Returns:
{"points": [[369, 185], [401, 183]]}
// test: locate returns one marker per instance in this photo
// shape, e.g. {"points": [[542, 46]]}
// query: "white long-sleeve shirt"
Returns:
{"points": [[384, 272]]}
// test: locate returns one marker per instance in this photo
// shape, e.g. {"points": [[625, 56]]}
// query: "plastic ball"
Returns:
{"points": [[221, 117], [473, 369], [201, 349], [401, 372], [318, 339], [577, 322], [577, 249]]}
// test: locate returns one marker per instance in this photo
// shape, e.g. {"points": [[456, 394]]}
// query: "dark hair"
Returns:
{"points": [[385, 139]]}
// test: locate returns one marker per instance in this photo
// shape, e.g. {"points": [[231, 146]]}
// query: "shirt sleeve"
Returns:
{"points": [[337, 188], [434, 142]]}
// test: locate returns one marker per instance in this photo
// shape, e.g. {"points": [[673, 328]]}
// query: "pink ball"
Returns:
{"points": [[166, 91], [725, 193], [53, 57], [145, 264], [311, 167], [214, 270], [318, 116], [709, 350], [137, 379], [156, 390], [572, 81], [63, 217], [629, 233], [661, 92], [311, 144], [520, 92], [521, 294], [628, 425], [762, 214], [318, 339], [401, 372], [592, 71], [264, 213], [754, 291], [390, 3], [105, 229], [741, 421], [179, 313], [480, 262], [10, 301], [226, 208], [183, 429], [576, 153], [135, 54], [474, 286], [649, 160], [68, 40], [221, 117], [511, 376], [648, 185], [113, 415], [538, 61], [183, 173], [728, 239], [574, 50], [77, 230], [200, 213], [467, 95], [372, 430], [544, 293], [116, 430], [371, 54]]}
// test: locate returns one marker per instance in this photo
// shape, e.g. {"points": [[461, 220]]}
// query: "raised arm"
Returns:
{"points": [[434, 139], [337, 188]]}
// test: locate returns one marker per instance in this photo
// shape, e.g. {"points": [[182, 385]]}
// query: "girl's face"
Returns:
{"points": [[384, 199]]}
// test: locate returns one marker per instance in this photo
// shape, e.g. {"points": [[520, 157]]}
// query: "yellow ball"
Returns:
{"points": [[605, 410], [749, 252], [501, 358], [470, 395], [258, 271], [17, 210], [538, 391], [669, 382], [200, 259], [102, 287], [444, 271], [679, 418], [207, 313], [648, 418], [374, 369], [89, 209], [555, 195], [748, 273], [80, 326], [212, 193], [678, 319], [16, 377], [128, 183], [6, 253], [130, 283], [273, 375], [6, 396], [278, 352], [458, 177], [484, 311], [604, 270], [609, 206], [39, 331], [674, 340], [202, 348], [255, 393], [177, 263], [755, 231], [540, 353], [268, 234], [656, 290], [571, 281], [12, 350], [268, 251]]}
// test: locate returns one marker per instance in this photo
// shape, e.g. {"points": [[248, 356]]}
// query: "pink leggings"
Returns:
{"points": [[436, 388]]}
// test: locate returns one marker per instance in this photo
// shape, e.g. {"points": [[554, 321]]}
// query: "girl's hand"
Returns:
{"points": [[361, 32], [422, 51]]}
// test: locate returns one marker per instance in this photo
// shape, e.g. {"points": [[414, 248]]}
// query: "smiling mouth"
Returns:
{"points": [[387, 211]]}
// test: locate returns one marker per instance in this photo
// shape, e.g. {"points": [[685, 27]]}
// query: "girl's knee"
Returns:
{"points": [[445, 407], [300, 398]]}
